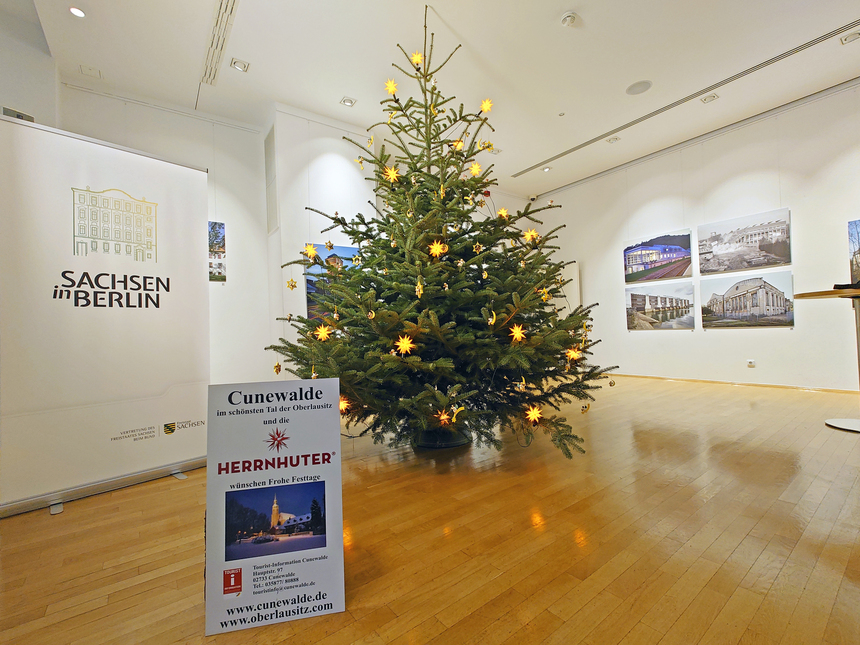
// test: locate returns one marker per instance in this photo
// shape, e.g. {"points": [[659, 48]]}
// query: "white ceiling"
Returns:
{"points": [[311, 54]]}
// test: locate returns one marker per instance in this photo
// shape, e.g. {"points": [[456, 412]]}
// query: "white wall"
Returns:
{"points": [[28, 77], [233, 154], [806, 159], [314, 167]]}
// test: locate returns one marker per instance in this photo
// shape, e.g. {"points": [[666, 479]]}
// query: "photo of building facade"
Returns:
{"points": [[752, 302], [658, 258]]}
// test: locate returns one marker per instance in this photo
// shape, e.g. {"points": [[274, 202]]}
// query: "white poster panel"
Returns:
{"points": [[274, 519], [104, 321]]}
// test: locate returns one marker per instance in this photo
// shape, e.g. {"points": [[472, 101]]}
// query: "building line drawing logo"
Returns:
{"points": [[112, 222]]}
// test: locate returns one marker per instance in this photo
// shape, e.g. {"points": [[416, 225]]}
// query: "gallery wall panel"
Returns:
{"points": [[805, 159]]}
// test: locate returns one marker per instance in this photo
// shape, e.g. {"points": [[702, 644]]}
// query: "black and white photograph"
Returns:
{"points": [[744, 243]]}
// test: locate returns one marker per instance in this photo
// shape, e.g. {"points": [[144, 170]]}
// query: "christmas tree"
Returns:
{"points": [[450, 323]]}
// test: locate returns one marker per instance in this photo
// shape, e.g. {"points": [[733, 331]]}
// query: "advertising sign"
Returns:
{"points": [[274, 521], [104, 323]]}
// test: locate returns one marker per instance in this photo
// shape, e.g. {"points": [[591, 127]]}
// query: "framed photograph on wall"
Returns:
{"points": [[217, 252], [660, 306], [663, 257], [316, 281], [854, 250], [761, 300], [745, 243]]}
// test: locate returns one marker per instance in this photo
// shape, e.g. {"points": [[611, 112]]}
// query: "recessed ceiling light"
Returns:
{"points": [[639, 87], [348, 102], [241, 65], [850, 38], [494, 151], [547, 168], [710, 97], [78, 13], [613, 139], [561, 113]]}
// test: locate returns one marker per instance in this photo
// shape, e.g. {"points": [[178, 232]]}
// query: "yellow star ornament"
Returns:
{"points": [[404, 345], [531, 235], [390, 86], [503, 213], [457, 145], [533, 414], [475, 169], [573, 354], [310, 250], [444, 417], [437, 249], [323, 333], [486, 105], [417, 58], [518, 333], [329, 245], [390, 173], [291, 284], [343, 404]]}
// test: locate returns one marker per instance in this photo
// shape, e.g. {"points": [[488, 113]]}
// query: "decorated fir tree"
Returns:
{"points": [[451, 321]]}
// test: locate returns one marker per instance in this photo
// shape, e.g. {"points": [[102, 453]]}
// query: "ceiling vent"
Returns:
{"points": [[224, 14]]}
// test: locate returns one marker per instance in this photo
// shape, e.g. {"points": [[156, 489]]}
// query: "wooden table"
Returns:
{"points": [[851, 425]]}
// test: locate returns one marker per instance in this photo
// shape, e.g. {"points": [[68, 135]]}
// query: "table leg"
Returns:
{"points": [[851, 425]]}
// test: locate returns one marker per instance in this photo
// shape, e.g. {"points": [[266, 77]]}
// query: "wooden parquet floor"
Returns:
{"points": [[702, 513]]}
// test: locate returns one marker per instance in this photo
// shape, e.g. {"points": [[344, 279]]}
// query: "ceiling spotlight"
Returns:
{"points": [[613, 139], [494, 151], [78, 13], [241, 65], [639, 87], [348, 102], [850, 38], [547, 168], [710, 98], [561, 113]]}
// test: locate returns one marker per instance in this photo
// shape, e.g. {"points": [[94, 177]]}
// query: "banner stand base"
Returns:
{"points": [[58, 497]]}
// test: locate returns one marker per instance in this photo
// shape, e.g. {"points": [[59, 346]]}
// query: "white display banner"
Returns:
{"points": [[104, 313], [274, 518]]}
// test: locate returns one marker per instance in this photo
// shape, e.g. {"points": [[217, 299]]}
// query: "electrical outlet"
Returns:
{"points": [[750, 362]]}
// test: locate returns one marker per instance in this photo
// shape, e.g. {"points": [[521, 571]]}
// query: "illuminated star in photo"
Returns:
{"points": [[405, 345], [533, 413], [277, 440], [323, 332], [518, 333], [390, 173]]}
